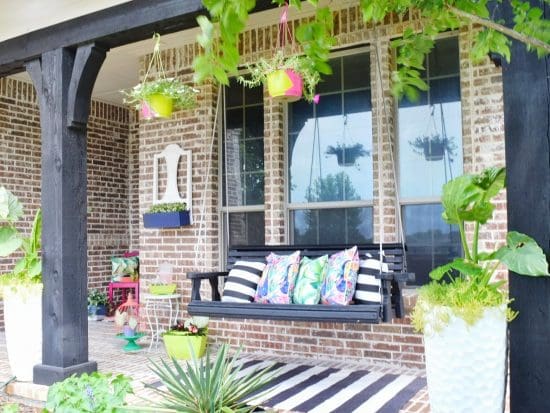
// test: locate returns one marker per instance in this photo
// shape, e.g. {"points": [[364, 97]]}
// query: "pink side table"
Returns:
{"points": [[125, 286]]}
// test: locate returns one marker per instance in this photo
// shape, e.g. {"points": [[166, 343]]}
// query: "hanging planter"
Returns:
{"points": [[433, 148], [347, 155], [158, 98], [286, 78]]}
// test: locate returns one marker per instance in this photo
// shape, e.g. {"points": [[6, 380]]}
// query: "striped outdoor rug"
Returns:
{"points": [[314, 389]]}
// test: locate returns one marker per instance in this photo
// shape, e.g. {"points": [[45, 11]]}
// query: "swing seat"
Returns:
{"points": [[392, 289]]}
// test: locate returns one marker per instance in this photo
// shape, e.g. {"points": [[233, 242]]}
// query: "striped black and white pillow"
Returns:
{"points": [[368, 287], [242, 281]]}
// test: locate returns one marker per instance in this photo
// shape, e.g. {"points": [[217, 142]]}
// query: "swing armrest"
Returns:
{"points": [[212, 277]]}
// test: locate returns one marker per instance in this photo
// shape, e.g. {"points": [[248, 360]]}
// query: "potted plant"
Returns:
{"points": [[209, 384], [159, 97], [347, 155], [168, 215], [22, 288], [433, 147], [97, 305], [188, 339], [95, 392], [463, 311], [287, 78]]}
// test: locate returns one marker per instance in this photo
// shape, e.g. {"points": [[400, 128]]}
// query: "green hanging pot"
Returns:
{"points": [[161, 105], [181, 345]]}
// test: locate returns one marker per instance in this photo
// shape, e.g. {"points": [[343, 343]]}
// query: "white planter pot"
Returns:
{"points": [[466, 365], [23, 322]]}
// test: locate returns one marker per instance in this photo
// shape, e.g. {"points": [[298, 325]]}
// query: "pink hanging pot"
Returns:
{"points": [[285, 85]]}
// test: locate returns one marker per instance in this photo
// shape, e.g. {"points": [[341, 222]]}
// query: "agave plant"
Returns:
{"points": [[208, 385]]}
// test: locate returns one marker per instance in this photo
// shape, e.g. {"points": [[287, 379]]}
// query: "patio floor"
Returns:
{"points": [[106, 349]]}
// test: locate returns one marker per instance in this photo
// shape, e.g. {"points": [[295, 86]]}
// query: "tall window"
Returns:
{"points": [[242, 178], [330, 158], [430, 154]]}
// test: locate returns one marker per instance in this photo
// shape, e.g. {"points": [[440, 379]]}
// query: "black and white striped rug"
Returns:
{"points": [[316, 389]]}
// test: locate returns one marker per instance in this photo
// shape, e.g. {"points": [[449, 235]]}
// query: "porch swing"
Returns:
{"points": [[391, 282]]}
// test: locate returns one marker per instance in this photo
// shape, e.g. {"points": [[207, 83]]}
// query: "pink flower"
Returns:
{"points": [[316, 98]]}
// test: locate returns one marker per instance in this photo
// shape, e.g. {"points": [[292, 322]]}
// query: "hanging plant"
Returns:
{"points": [[347, 155], [434, 147], [287, 78], [159, 97]]}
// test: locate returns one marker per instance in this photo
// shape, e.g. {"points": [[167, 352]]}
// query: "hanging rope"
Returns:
{"points": [[156, 60], [401, 233], [200, 234]]}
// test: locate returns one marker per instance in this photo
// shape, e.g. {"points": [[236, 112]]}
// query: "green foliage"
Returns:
{"points": [[94, 393], [183, 96], [10, 408], [96, 297], [464, 285], [219, 36], [208, 385], [301, 65], [28, 270], [168, 207]]}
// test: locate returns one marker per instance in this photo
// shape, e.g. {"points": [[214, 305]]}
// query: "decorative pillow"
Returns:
{"points": [[339, 285], [309, 280], [368, 288], [242, 282], [277, 283], [124, 267]]}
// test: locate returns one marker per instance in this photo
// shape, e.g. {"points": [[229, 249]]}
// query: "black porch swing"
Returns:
{"points": [[391, 282]]}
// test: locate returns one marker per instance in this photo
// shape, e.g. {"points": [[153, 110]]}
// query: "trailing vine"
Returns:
{"points": [[220, 33]]}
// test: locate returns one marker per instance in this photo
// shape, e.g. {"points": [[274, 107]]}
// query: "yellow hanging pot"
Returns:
{"points": [[161, 105]]}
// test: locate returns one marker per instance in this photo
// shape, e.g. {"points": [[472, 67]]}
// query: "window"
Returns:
{"points": [[330, 158], [242, 178], [430, 154]]}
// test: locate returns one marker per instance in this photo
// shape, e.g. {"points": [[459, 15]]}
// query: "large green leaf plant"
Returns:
{"points": [[28, 269], [228, 18], [466, 285]]}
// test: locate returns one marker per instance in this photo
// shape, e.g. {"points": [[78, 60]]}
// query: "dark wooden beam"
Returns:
{"points": [[64, 79], [527, 129], [112, 27]]}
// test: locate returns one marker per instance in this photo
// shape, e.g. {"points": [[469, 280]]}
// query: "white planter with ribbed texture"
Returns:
{"points": [[466, 365], [23, 324]]}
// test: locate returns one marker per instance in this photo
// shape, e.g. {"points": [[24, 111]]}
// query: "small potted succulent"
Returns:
{"points": [[159, 97], [168, 215], [97, 305], [186, 339], [287, 78]]}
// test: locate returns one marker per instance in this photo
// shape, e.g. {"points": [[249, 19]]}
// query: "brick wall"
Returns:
{"points": [[395, 342], [108, 172]]}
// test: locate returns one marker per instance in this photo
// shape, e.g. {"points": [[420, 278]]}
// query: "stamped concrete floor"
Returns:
{"points": [[106, 349]]}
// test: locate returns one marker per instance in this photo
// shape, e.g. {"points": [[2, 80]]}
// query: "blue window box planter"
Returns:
{"points": [[166, 219]]}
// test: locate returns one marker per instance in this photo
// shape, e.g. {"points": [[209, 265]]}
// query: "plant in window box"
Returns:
{"points": [[463, 311], [167, 215], [186, 340], [347, 154], [158, 98], [97, 305], [21, 289]]}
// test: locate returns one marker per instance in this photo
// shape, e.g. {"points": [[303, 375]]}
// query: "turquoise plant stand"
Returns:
{"points": [[131, 345]]}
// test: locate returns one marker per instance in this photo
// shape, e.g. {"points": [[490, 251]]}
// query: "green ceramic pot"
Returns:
{"points": [[181, 345], [161, 105]]}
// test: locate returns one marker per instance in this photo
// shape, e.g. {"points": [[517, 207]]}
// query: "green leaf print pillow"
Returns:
{"points": [[309, 281]]}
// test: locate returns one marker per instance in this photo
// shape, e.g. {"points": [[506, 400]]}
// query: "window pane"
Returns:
{"points": [[330, 145], [246, 228], [243, 149], [430, 241], [332, 226], [333, 82], [430, 131], [356, 71]]}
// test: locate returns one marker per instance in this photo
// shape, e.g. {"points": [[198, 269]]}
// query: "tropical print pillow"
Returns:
{"points": [[339, 284], [277, 283], [309, 281]]}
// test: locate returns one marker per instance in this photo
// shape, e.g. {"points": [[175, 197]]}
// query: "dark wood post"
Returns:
{"points": [[527, 129], [64, 79]]}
